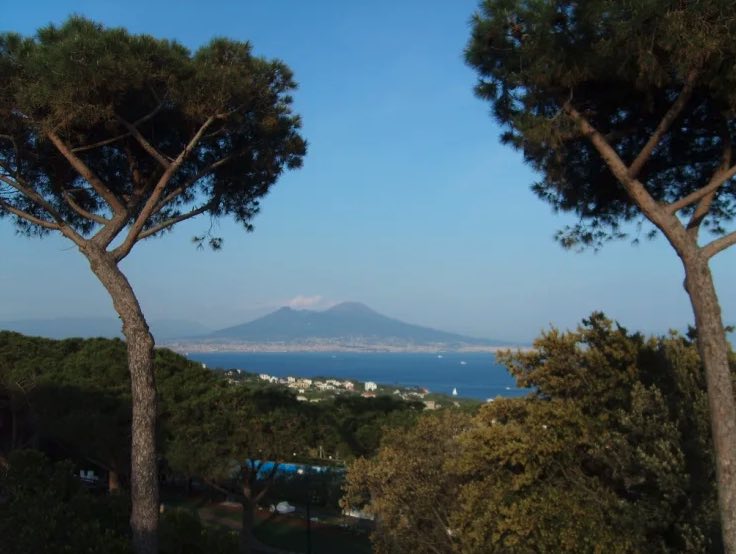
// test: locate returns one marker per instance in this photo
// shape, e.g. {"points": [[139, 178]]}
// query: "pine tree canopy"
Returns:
{"points": [[632, 68], [102, 130]]}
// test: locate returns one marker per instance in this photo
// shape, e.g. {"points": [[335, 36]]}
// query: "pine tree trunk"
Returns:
{"points": [[714, 354], [246, 527], [144, 470]]}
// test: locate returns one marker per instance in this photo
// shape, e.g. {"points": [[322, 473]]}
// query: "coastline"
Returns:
{"points": [[474, 374], [183, 347]]}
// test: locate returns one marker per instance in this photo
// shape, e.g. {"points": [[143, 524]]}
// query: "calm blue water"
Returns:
{"points": [[478, 377]]}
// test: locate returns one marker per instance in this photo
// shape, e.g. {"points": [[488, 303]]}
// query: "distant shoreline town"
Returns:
{"points": [[318, 389]]}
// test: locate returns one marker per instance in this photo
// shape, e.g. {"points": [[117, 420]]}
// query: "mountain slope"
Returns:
{"points": [[347, 321]]}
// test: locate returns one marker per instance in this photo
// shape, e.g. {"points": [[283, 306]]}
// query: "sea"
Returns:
{"points": [[473, 375]]}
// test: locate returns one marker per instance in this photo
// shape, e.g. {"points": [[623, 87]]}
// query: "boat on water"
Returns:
{"points": [[454, 392]]}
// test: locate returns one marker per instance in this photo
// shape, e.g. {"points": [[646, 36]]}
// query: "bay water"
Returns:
{"points": [[473, 374]]}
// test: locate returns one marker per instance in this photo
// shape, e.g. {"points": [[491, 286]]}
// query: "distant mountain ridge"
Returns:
{"points": [[350, 326], [346, 322], [108, 327]]}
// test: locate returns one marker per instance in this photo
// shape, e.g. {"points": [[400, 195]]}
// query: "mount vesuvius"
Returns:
{"points": [[346, 326]]}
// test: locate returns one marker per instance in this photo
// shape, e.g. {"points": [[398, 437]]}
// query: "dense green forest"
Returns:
{"points": [[69, 401]]}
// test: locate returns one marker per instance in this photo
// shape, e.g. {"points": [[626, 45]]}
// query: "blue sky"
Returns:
{"points": [[406, 201]]}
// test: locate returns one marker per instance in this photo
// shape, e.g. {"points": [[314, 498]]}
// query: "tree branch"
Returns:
{"points": [[443, 523], [115, 205], [718, 179], [82, 212], [98, 144], [60, 225], [124, 249], [703, 207], [14, 172], [635, 189], [665, 124], [147, 146], [174, 220], [30, 218], [33, 196], [189, 182], [119, 137], [10, 181], [714, 247], [693, 226]]}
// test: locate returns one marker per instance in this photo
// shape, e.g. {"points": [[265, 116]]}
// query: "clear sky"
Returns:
{"points": [[406, 201]]}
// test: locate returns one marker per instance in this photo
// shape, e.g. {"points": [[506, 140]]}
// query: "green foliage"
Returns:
{"points": [[44, 510], [76, 404], [72, 393], [113, 98], [76, 395], [78, 391], [407, 487], [352, 426], [607, 440], [526, 488], [611, 453], [85, 423], [230, 425], [622, 64]]}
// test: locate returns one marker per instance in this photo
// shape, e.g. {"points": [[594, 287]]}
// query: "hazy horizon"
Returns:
{"points": [[107, 321]]}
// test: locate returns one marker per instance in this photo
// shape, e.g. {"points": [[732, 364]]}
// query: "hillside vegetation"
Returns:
{"points": [[612, 453]]}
